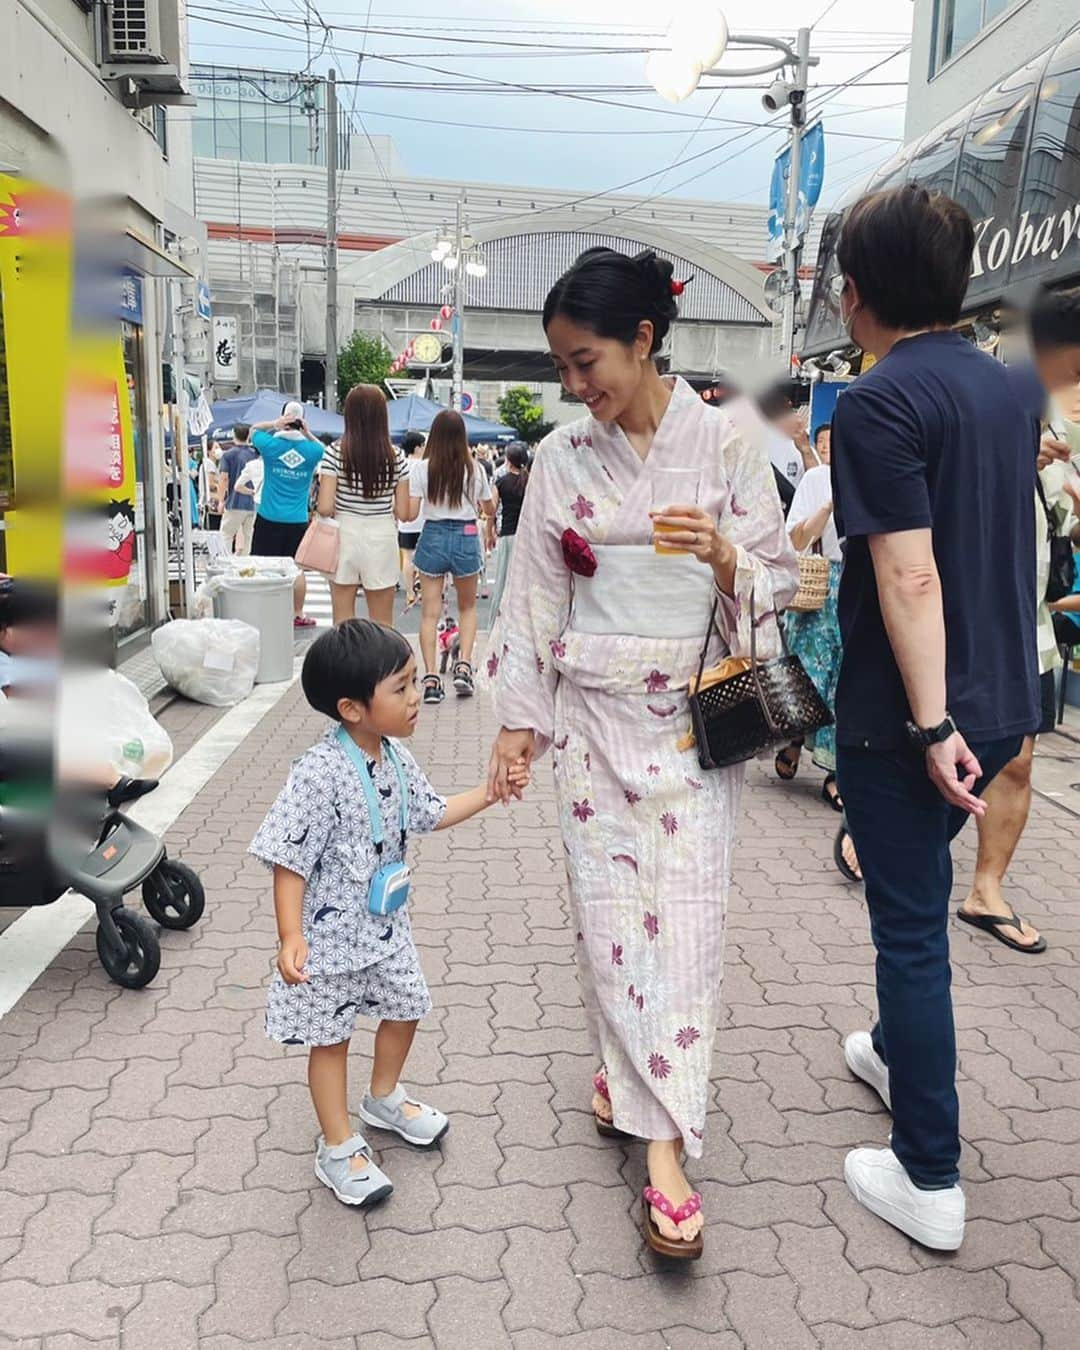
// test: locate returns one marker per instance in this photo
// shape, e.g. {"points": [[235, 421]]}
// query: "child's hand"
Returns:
{"points": [[291, 958], [518, 775]]}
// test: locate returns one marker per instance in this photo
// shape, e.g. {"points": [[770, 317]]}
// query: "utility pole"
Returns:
{"points": [[330, 400], [457, 385], [792, 247]]}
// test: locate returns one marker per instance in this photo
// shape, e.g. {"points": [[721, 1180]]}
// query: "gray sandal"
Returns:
{"points": [[387, 1113], [333, 1167]]}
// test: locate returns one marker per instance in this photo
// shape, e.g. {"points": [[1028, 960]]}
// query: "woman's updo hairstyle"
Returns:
{"points": [[611, 293]]}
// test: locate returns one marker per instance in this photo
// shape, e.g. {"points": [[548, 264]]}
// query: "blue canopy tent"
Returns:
{"points": [[263, 406], [414, 413]]}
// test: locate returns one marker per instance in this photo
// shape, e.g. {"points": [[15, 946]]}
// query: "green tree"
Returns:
{"points": [[363, 360], [519, 408]]}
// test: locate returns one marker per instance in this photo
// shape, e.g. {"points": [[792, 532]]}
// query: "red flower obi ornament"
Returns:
{"points": [[577, 554]]}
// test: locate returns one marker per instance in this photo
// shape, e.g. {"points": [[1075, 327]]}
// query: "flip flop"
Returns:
{"points": [[832, 799], [791, 766], [678, 1248], [838, 855], [605, 1127], [994, 923]]}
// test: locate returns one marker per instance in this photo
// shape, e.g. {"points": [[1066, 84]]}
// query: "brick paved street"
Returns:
{"points": [[156, 1189]]}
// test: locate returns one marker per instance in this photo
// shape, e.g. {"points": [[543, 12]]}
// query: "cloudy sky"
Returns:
{"points": [[601, 127]]}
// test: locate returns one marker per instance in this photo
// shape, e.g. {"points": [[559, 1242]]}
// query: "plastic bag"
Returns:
{"points": [[121, 739], [211, 661]]}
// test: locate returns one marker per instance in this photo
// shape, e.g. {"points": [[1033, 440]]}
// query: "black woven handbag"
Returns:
{"points": [[773, 702]]}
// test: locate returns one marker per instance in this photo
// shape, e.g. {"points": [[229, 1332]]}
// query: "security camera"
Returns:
{"points": [[777, 96]]}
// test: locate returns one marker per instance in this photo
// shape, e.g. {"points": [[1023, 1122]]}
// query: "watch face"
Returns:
{"points": [[427, 350]]}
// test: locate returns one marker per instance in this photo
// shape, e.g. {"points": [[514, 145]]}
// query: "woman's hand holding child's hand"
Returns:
{"points": [[292, 955]]}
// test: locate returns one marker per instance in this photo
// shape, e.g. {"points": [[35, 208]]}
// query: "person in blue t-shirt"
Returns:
{"points": [[236, 505], [933, 465], [290, 456]]}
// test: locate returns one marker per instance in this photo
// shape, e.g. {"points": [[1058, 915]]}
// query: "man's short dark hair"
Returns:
{"points": [[241, 432], [909, 253], [775, 403], [351, 661], [1055, 319], [825, 426], [327, 437], [412, 440]]}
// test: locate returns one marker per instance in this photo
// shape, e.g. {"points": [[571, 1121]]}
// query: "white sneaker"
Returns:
{"points": [[865, 1063], [876, 1178]]}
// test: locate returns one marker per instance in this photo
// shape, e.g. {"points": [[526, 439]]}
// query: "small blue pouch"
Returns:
{"points": [[390, 885]]}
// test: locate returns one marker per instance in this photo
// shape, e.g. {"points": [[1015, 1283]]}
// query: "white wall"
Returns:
{"points": [[1021, 33]]}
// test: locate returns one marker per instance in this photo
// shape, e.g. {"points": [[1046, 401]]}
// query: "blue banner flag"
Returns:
{"points": [[811, 178]]}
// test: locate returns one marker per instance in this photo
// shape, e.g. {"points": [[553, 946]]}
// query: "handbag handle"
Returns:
{"points": [[758, 689]]}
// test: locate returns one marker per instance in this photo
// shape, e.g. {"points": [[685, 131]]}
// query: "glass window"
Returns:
{"points": [[278, 139], [933, 165], [227, 137], [252, 133], [988, 182], [1048, 231], [962, 19], [824, 330]]}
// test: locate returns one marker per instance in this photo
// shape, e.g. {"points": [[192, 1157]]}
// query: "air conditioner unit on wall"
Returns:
{"points": [[133, 31]]}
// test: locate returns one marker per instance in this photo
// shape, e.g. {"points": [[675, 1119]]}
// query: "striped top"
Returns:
{"points": [[351, 501]]}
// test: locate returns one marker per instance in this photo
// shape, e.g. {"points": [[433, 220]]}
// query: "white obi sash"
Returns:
{"points": [[637, 592]]}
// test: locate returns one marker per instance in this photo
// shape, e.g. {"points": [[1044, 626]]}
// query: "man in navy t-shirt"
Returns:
{"points": [[933, 463]]}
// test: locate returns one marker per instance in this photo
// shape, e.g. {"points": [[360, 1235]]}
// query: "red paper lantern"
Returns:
{"points": [[436, 325], [447, 312]]}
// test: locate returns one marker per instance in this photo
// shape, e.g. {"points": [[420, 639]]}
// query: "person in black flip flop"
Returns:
{"points": [[939, 682]]}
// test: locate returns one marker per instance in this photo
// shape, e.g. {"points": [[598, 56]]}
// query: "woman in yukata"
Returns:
{"points": [[637, 518]]}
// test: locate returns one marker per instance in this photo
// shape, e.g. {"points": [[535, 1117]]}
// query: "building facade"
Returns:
{"points": [[962, 47]]}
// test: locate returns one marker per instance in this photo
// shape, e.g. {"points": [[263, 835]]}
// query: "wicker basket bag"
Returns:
{"points": [[813, 582]]}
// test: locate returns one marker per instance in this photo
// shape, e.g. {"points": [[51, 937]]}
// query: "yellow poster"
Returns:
{"points": [[35, 323]]}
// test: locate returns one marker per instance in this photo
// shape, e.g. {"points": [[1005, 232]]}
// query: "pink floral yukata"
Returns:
{"points": [[648, 834]]}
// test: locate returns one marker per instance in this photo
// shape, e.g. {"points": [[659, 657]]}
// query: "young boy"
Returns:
{"points": [[331, 838]]}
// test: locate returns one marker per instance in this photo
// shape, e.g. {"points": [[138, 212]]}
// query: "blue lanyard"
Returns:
{"points": [[374, 810]]}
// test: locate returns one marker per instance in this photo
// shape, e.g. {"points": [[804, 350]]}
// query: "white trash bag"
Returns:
{"points": [[107, 731], [211, 661]]}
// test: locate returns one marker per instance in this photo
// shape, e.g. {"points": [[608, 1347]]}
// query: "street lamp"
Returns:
{"points": [[698, 38], [461, 257]]}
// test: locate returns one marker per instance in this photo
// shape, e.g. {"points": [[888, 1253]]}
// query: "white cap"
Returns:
{"points": [[294, 412]]}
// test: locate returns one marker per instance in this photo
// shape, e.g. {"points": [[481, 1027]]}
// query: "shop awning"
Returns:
{"points": [[142, 255]]}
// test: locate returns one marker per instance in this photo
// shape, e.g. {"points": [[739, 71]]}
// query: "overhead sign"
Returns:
{"points": [[226, 362], [811, 178]]}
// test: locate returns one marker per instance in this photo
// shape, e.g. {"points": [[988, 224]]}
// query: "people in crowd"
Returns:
{"points": [[336, 839], [362, 485], [412, 445], [939, 683], [237, 509], [598, 638], [509, 490], [290, 456], [814, 637], [823, 443], [209, 488], [452, 490]]}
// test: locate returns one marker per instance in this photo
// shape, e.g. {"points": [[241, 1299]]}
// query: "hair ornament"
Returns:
{"points": [[677, 287]]}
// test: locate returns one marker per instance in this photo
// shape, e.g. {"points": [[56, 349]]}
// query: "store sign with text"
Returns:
{"points": [[226, 358], [1049, 237]]}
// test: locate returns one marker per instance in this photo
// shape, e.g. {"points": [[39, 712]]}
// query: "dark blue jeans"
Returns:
{"points": [[902, 828]]}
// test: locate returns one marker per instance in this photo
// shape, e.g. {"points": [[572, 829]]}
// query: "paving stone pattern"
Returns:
{"points": [[156, 1190]]}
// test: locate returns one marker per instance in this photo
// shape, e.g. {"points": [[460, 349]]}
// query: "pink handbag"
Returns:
{"points": [[320, 545]]}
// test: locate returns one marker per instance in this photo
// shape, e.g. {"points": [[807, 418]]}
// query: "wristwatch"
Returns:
{"points": [[924, 737]]}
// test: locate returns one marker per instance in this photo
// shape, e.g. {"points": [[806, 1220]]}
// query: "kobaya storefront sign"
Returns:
{"points": [[1050, 237]]}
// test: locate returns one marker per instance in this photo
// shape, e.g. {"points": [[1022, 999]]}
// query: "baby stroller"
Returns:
{"points": [[37, 871]]}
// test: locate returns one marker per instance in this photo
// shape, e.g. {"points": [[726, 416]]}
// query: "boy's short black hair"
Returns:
{"points": [[412, 440], [327, 437], [241, 432], [824, 426], [350, 661], [909, 253], [1055, 319]]}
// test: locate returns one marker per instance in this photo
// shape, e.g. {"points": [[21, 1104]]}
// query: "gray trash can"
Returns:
{"points": [[267, 604]]}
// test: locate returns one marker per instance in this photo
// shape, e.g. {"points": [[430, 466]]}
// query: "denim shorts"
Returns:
{"points": [[449, 546]]}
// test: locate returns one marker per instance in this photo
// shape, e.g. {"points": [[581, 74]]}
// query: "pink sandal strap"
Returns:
{"points": [[659, 1201], [599, 1082]]}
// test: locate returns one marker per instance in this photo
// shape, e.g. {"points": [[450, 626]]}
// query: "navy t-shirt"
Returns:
{"points": [[938, 435], [233, 463]]}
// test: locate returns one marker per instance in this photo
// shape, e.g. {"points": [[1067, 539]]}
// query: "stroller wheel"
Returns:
{"points": [[174, 895], [142, 953]]}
